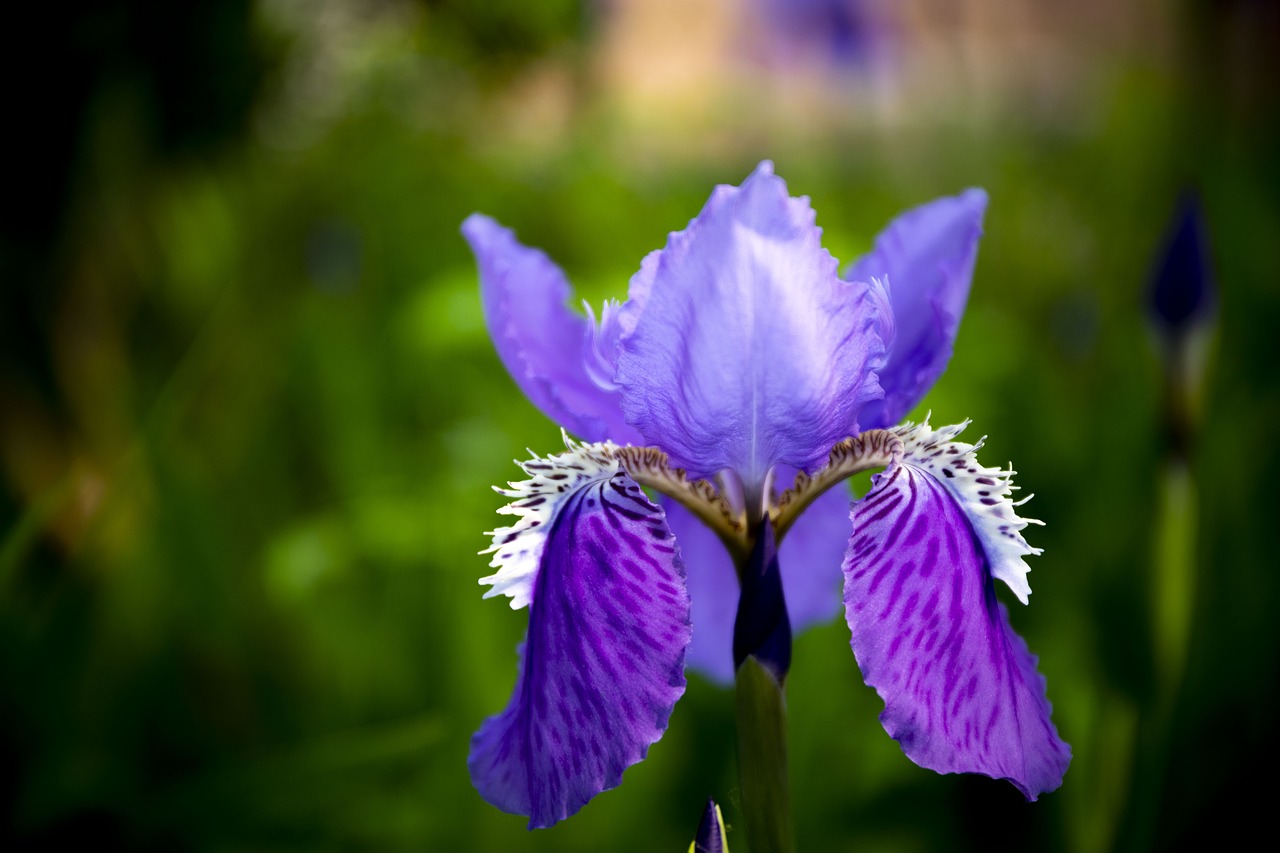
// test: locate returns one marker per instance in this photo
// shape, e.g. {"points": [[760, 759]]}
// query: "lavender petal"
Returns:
{"points": [[811, 554], [550, 351], [713, 594], [750, 350], [927, 255]]}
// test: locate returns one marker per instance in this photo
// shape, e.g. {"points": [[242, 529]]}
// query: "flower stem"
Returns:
{"points": [[762, 653], [762, 759]]}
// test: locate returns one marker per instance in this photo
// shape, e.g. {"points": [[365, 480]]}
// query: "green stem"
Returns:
{"points": [[762, 759]]}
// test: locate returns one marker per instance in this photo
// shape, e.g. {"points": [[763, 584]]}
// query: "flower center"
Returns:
{"points": [[738, 517]]}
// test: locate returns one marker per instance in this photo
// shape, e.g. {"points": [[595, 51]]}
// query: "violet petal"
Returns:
{"points": [[927, 255], [961, 690], [603, 660], [548, 348]]}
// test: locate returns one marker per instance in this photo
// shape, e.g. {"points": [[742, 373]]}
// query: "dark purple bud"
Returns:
{"points": [[762, 629], [1182, 293], [1182, 301], [710, 837]]}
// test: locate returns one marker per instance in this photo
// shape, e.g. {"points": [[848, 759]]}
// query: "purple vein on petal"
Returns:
{"points": [[961, 690], [603, 661]]}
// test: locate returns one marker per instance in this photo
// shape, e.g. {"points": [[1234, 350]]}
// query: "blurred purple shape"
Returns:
{"points": [[841, 33], [1182, 294]]}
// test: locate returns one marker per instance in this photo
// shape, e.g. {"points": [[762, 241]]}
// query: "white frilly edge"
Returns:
{"points": [[517, 550], [984, 494]]}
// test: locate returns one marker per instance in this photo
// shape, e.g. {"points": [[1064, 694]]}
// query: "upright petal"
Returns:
{"points": [[961, 690], [750, 350], [548, 349], [713, 593], [811, 554], [810, 557], [927, 254], [603, 661]]}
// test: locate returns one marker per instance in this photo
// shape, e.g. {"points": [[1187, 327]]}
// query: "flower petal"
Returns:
{"points": [[603, 661], [927, 254], [961, 690], [810, 559], [549, 350], [811, 555], [750, 349], [713, 593]]}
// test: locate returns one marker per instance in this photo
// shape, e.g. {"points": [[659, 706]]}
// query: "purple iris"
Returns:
{"points": [[743, 361]]}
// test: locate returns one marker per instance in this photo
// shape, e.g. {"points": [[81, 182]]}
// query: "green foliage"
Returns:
{"points": [[251, 417]]}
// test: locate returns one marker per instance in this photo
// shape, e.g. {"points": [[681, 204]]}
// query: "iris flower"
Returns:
{"points": [[741, 362]]}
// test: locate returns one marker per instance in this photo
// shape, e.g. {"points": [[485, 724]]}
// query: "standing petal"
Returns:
{"points": [[750, 349], [810, 557], [603, 660], [551, 352], [961, 691], [713, 593], [927, 254], [811, 554]]}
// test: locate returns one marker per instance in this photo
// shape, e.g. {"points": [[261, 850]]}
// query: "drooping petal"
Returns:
{"points": [[603, 661], [961, 690], [750, 349], [810, 557], [927, 254], [549, 349]]}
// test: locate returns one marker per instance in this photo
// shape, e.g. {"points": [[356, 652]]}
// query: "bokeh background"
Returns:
{"points": [[250, 415]]}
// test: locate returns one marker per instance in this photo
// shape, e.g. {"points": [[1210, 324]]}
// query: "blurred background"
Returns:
{"points": [[249, 412]]}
